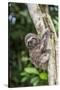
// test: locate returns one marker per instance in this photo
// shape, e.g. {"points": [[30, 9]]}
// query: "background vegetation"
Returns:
{"points": [[21, 70]]}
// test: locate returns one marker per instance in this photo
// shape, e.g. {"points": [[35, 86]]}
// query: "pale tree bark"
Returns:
{"points": [[42, 22]]}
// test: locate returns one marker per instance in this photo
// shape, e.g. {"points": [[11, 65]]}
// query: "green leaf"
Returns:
{"points": [[55, 21], [34, 79], [24, 58], [24, 13], [31, 70], [24, 79], [23, 53], [43, 76], [35, 83], [23, 74]]}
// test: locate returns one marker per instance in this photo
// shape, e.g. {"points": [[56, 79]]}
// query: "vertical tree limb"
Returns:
{"points": [[54, 48], [42, 22], [36, 16]]}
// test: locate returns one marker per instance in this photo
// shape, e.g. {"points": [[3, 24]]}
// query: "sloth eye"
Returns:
{"points": [[30, 43], [34, 41]]}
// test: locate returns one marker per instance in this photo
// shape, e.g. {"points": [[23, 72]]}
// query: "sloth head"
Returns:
{"points": [[31, 40]]}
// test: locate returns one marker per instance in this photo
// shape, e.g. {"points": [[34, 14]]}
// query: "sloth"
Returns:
{"points": [[37, 48]]}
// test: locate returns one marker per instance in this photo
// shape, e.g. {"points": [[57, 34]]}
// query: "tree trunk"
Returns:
{"points": [[42, 22]]}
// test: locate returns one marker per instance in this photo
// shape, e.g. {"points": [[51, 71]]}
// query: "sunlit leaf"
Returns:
{"points": [[31, 70], [43, 76]]}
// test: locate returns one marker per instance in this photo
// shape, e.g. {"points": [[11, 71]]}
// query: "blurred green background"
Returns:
{"points": [[21, 71]]}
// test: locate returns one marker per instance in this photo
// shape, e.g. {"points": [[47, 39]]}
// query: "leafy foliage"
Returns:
{"points": [[21, 70]]}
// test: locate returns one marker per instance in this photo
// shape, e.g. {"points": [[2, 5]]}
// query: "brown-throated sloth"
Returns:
{"points": [[38, 51]]}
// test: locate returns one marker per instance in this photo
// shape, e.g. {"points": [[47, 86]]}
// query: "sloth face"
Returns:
{"points": [[31, 40]]}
